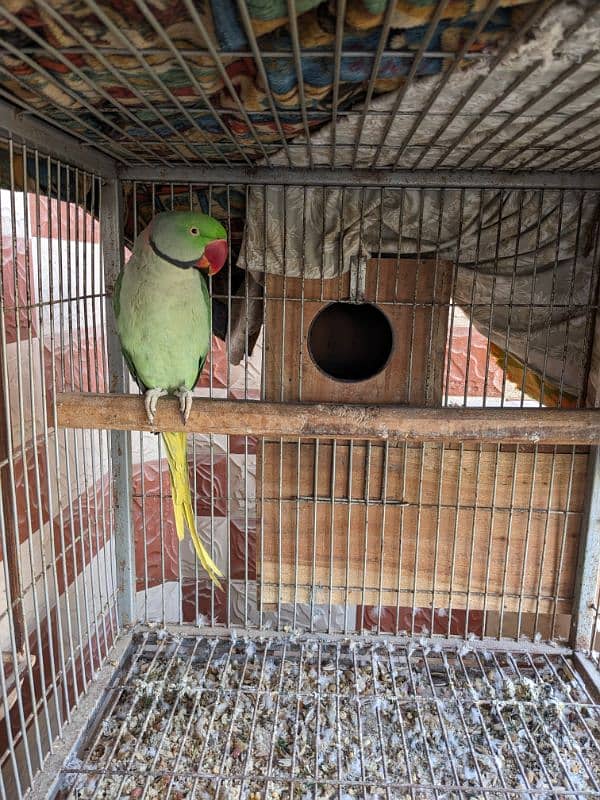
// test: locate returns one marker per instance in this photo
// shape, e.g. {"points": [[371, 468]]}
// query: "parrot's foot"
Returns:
{"points": [[151, 398], [185, 402]]}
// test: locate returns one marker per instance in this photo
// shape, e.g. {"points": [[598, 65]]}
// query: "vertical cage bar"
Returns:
{"points": [[111, 235], [13, 588], [588, 570]]}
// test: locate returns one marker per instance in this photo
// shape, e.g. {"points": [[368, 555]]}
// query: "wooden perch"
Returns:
{"points": [[332, 421]]}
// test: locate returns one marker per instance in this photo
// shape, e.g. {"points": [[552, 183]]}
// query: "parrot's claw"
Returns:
{"points": [[151, 398], [185, 402]]}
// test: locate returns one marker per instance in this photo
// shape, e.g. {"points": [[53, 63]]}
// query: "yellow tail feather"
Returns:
{"points": [[176, 447]]}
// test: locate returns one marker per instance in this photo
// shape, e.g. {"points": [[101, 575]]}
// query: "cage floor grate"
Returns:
{"points": [[197, 717]]}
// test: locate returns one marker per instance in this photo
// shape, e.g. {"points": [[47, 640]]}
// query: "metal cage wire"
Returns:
{"points": [[237, 605], [539, 118], [58, 618], [454, 715], [66, 317], [432, 593]]}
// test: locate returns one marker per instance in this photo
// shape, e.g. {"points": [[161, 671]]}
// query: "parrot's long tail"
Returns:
{"points": [[182, 501]]}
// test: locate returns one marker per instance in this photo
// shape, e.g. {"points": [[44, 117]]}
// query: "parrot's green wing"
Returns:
{"points": [[116, 301], [117, 309], [127, 356], [200, 368], [202, 361]]}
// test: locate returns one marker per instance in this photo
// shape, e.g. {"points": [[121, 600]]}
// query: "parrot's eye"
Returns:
{"points": [[194, 231]]}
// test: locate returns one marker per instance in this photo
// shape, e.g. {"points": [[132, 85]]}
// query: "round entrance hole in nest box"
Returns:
{"points": [[350, 341]]}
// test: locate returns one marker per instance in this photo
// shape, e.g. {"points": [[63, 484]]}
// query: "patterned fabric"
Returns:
{"points": [[502, 267], [90, 89], [102, 92]]}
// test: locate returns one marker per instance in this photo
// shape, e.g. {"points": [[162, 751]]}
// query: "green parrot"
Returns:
{"points": [[163, 314]]}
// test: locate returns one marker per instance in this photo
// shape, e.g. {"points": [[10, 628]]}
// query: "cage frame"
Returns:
{"points": [[66, 148]]}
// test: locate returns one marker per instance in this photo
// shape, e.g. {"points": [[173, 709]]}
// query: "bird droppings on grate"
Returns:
{"points": [[206, 717]]}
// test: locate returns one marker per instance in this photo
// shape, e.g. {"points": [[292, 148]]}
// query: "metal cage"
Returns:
{"points": [[411, 606]]}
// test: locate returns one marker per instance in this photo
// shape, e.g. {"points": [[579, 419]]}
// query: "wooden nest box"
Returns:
{"points": [[399, 524]]}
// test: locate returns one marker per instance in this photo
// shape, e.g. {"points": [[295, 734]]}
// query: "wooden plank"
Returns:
{"points": [[423, 474], [333, 421], [345, 553], [414, 296], [354, 544]]}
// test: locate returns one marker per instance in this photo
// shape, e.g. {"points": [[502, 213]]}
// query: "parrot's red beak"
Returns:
{"points": [[215, 255]]}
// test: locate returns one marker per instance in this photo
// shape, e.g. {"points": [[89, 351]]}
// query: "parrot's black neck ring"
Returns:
{"points": [[174, 261]]}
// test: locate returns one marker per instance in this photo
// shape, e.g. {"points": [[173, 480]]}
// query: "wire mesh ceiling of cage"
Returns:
{"points": [[488, 83]]}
